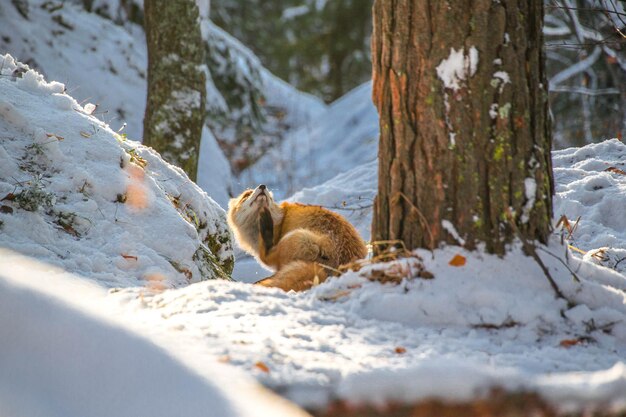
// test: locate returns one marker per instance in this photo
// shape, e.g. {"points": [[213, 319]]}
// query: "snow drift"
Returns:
{"points": [[64, 355]]}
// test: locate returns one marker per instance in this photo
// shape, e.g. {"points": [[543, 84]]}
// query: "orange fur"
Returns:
{"points": [[303, 240]]}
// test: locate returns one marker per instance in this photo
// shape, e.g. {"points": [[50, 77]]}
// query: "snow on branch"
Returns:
{"points": [[576, 68]]}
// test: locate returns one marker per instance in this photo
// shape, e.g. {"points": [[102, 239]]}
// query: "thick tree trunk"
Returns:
{"points": [[175, 107], [465, 138]]}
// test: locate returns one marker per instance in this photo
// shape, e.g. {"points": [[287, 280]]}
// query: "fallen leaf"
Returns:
{"points": [[458, 260], [129, 257], [263, 367], [6, 209], [85, 134], [400, 350], [57, 137], [615, 170], [566, 343]]}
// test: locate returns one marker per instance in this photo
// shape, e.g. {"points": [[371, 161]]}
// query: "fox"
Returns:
{"points": [[302, 243]]}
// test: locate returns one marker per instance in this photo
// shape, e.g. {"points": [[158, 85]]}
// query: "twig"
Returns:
{"points": [[532, 252], [564, 264]]}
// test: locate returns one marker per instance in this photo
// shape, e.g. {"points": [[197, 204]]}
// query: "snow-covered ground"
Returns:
{"points": [[490, 322]]}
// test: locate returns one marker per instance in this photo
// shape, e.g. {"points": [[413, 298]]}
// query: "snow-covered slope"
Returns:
{"points": [[343, 137], [77, 195], [65, 354], [99, 61]]}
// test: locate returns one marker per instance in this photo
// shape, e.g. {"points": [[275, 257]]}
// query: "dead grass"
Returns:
{"points": [[391, 265]]}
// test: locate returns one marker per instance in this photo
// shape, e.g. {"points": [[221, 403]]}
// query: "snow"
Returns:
{"points": [[530, 191], [449, 227], [342, 137], [590, 184], [92, 58], [350, 194], [63, 354], [214, 173], [76, 194], [458, 67], [293, 12]]}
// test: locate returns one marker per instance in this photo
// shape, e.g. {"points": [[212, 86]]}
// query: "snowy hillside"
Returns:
{"points": [[105, 63], [343, 137], [99, 61], [76, 194]]}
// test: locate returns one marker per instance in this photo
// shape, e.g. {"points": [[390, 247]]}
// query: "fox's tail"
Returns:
{"points": [[297, 276]]}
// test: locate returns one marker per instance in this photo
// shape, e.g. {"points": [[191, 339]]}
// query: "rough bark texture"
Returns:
{"points": [[176, 82], [465, 153]]}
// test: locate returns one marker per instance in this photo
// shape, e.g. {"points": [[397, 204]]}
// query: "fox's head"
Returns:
{"points": [[243, 214]]}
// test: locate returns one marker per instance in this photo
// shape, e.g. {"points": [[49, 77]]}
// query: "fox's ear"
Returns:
{"points": [[232, 203]]}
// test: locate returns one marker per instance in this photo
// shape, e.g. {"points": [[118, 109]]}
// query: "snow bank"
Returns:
{"points": [[63, 355], [77, 195], [343, 137]]}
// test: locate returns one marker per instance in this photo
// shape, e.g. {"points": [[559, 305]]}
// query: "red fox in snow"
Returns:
{"points": [[295, 240]]}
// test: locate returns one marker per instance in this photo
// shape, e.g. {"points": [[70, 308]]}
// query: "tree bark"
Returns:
{"points": [[175, 106], [467, 144]]}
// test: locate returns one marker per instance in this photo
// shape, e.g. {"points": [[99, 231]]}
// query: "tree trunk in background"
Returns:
{"points": [[461, 93], [176, 82]]}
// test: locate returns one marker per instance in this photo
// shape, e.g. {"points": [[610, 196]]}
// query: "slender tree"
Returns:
{"points": [[465, 139], [175, 108]]}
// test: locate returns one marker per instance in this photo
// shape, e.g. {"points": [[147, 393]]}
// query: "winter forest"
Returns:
{"points": [[328, 208]]}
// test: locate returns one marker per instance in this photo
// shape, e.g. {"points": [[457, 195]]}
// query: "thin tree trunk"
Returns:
{"points": [[465, 138], [175, 107]]}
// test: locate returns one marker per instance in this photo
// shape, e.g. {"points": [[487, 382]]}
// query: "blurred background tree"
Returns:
{"points": [[586, 51], [322, 47]]}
